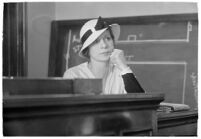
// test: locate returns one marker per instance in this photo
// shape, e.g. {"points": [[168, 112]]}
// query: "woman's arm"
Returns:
{"points": [[131, 84]]}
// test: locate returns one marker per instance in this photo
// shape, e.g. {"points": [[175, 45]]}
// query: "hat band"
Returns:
{"points": [[99, 25], [86, 36]]}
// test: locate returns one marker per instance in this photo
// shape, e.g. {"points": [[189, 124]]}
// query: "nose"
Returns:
{"points": [[103, 44]]}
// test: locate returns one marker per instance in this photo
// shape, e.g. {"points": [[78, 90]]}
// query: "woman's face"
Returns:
{"points": [[102, 47]]}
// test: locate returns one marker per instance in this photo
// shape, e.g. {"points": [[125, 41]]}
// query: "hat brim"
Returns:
{"points": [[115, 30]]}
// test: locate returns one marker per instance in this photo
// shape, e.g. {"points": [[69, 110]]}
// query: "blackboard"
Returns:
{"points": [[162, 50]]}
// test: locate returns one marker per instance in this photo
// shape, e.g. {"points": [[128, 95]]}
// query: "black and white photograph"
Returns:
{"points": [[99, 69]]}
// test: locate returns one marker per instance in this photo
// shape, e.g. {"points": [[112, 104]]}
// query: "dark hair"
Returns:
{"points": [[111, 33], [85, 52]]}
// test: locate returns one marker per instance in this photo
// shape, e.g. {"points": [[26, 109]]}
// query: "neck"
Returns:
{"points": [[99, 69]]}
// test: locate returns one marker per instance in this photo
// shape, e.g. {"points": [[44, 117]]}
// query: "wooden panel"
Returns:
{"points": [[183, 123], [26, 86], [161, 77], [64, 115], [65, 42], [179, 130], [14, 40], [81, 124]]}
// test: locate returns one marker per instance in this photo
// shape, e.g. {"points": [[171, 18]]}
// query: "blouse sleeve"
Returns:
{"points": [[131, 84], [68, 74]]}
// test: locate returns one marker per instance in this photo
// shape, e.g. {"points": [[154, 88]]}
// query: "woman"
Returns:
{"points": [[104, 62]]}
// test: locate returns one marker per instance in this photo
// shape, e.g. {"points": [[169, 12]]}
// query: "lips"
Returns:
{"points": [[106, 53]]}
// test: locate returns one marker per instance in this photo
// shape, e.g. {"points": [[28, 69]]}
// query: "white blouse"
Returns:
{"points": [[112, 83]]}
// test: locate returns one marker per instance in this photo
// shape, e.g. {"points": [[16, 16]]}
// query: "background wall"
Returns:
{"points": [[40, 15], [119, 9]]}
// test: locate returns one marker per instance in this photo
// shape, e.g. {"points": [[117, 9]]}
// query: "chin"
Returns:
{"points": [[104, 59]]}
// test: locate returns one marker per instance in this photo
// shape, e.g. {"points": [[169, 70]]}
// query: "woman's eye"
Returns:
{"points": [[108, 38], [97, 41]]}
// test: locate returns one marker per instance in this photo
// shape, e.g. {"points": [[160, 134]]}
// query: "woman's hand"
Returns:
{"points": [[118, 59]]}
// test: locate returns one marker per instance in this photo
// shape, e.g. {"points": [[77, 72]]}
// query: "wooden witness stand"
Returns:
{"points": [[133, 114], [53, 114]]}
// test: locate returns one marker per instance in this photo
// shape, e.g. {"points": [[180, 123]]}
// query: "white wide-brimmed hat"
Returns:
{"points": [[92, 29]]}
